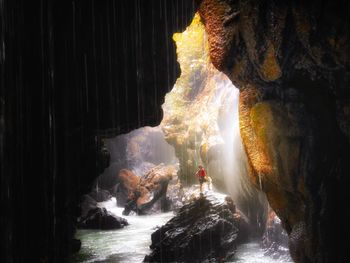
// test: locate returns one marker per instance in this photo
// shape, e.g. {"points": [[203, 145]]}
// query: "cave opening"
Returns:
{"points": [[151, 172], [77, 73]]}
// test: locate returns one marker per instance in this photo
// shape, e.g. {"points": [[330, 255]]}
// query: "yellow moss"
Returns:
{"points": [[270, 68], [261, 119]]}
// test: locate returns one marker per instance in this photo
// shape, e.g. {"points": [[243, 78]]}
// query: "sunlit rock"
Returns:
{"points": [[138, 151], [201, 122], [141, 193]]}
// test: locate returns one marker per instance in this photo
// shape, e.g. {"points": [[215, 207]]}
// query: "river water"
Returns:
{"points": [[131, 244]]}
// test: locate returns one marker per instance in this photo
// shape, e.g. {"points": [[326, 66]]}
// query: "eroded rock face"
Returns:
{"points": [[291, 62], [138, 151], [139, 194], [100, 218], [201, 122], [205, 230]]}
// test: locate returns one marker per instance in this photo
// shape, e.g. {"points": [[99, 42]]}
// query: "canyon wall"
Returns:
{"points": [[290, 61]]}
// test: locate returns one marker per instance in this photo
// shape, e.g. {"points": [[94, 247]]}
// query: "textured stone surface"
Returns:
{"points": [[205, 230], [139, 194], [100, 218], [291, 62], [201, 122]]}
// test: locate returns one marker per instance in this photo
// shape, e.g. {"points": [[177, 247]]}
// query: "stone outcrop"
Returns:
{"points": [[100, 218], [140, 194], [291, 62], [138, 151], [205, 230]]}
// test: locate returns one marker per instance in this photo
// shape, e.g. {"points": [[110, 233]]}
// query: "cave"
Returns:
{"points": [[77, 73]]}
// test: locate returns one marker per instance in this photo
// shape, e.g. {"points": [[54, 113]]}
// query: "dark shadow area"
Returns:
{"points": [[71, 73]]}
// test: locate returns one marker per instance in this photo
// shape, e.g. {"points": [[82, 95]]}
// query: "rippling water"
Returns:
{"points": [[131, 244], [252, 253]]}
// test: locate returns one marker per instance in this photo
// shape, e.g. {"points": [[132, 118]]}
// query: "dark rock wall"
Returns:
{"points": [[72, 72], [291, 61]]}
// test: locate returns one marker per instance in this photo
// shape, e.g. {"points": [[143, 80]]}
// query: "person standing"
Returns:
{"points": [[201, 175]]}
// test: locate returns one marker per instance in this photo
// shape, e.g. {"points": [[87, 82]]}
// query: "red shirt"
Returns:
{"points": [[202, 173]]}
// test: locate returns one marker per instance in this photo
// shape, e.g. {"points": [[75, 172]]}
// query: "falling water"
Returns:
{"points": [[233, 160], [187, 108]]}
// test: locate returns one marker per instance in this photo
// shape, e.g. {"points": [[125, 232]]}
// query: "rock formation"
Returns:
{"points": [[201, 122], [291, 61], [138, 151], [205, 230], [275, 239], [139, 194], [100, 218]]}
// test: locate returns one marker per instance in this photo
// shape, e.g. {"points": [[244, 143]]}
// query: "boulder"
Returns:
{"points": [[100, 218], [127, 186], [140, 194], [204, 230]]}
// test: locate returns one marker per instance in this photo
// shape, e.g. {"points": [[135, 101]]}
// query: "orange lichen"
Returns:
{"points": [[270, 68], [214, 16]]}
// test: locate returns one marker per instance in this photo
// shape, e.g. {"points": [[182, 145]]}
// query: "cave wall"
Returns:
{"points": [[291, 62], [201, 122], [72, 72]]}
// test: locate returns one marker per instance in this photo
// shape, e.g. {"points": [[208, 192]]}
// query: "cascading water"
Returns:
{"points": [[201, 122]]}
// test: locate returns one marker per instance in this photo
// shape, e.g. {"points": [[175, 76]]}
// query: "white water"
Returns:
{"points": [[252, 253], [131, 244]]}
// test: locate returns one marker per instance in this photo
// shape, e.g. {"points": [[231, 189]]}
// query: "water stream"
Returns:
{"points": [[131, 244]]}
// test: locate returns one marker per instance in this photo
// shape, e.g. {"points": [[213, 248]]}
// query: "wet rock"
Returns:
{"points": [[205, 129], [204, 230], [176, 196], [140, 194], [100, 218], [275, 238], [292, 68]]}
